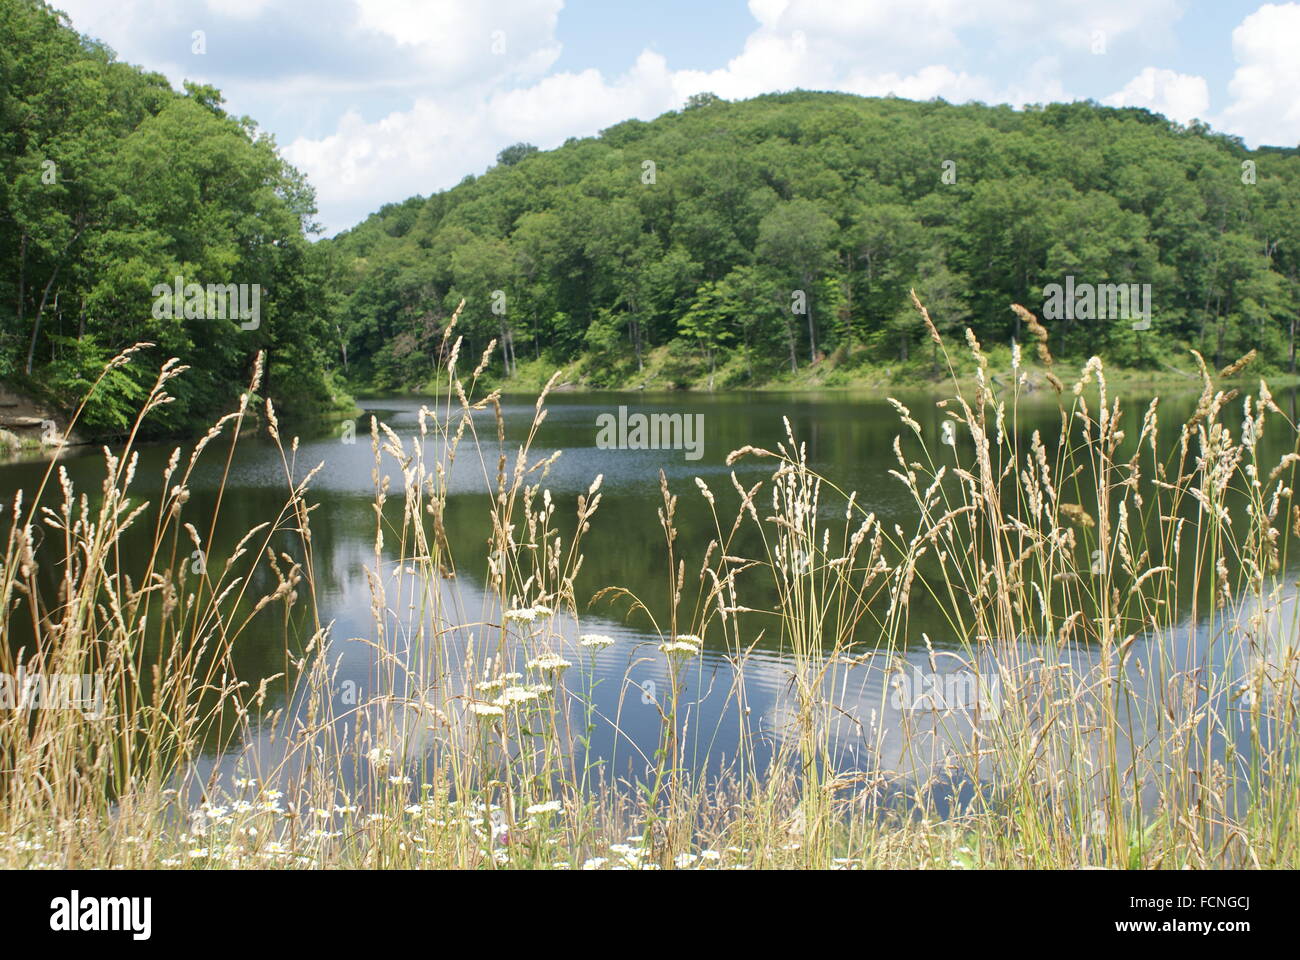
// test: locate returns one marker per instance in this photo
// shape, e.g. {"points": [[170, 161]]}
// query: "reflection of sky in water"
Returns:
{"points": [[870, 729], [848, 439]]}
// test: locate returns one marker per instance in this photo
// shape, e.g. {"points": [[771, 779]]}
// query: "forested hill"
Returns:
{"points": [[703, 233], [726, 244], [111, 185]]}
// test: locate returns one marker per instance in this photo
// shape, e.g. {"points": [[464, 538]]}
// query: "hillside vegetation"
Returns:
{"points": [[771, 241], [111, 184], [699, 236]]}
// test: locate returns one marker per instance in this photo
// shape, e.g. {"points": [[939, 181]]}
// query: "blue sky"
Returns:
{"points": [[380, 99], [691, 34]]}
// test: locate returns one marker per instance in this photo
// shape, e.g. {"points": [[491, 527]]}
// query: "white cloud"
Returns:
{"points": [[868, 47], [433, 144], [239, 9], [1178, 96], [462, 40], [403, 44], [767, 12], [920, 49], [384, 98], [1265, 89], [770, 61], [897, 34]]}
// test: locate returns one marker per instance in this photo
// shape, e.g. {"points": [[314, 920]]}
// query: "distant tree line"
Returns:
{"points": [[769, 234], [743, 241]]}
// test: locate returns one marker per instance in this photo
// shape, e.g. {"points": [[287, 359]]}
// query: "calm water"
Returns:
{"points": [[848, 440]]}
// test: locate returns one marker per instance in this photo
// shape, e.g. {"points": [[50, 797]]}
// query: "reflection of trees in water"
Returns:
{"points": [[851, 444], [848, 441]]}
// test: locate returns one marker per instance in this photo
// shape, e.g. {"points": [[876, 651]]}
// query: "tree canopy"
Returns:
{"points": [[112, 184], [747, 241], [791, 227]]}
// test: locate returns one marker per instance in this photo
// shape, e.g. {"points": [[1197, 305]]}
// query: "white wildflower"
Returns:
{"points": [[549, 661]]}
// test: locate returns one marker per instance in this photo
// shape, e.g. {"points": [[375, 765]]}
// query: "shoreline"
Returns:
{"points": [[1121, 382]]}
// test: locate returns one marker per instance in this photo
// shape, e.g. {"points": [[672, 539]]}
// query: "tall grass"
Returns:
{"points": [[1126, 617]]}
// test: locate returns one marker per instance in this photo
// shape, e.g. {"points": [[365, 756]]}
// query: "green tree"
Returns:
{"points": [[795, 238]]}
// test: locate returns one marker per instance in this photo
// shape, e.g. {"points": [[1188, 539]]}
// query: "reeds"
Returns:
{"points": [[1125, 618]]}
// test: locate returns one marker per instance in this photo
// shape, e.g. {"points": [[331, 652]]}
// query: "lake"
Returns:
{"points": [[617, 692]]}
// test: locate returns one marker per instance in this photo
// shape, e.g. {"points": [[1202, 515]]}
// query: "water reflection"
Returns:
{"points": [[737, 699]]}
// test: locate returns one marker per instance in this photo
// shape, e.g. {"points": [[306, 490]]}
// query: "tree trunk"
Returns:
{"points": [[848, 301], [45, 294], [507, 350], [1218, 342], [22, 280], [634, 333], [812, 328], [343, 346], [36, 324], [1293, 325]]}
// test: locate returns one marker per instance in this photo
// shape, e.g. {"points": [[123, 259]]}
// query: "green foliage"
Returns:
{"points": [[115, 401], [513, 154], [112, 184], [606, 363], [700, 227], [755, 238], [702, 100]]}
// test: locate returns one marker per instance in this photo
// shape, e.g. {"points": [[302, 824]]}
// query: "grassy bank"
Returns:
{"points": [[664, 371], [1057, 568]]}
